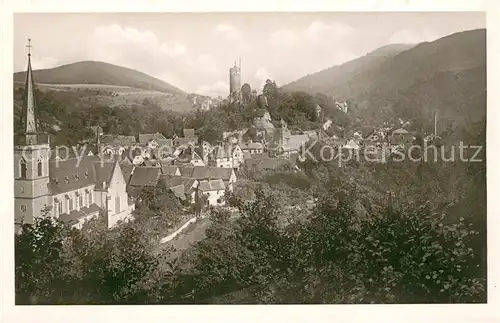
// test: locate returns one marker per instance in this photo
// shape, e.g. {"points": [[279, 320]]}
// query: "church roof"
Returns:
{"points": [[29, 114], [127, 171], [74, 216], [71, 174]]}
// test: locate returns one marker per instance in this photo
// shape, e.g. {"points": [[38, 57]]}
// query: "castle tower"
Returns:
{"points": [[31, 160], [235, 80]]}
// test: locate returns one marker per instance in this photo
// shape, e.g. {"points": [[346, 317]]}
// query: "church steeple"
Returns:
{"points": [[29, 121]]}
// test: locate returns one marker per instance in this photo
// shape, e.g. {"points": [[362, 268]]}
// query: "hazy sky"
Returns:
{"points": [[194, 51]]}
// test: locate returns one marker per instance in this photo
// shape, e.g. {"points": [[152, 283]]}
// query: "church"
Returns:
{"points": [[71, 190]]}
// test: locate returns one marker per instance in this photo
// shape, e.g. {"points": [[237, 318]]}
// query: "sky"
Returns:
{"points": [[194, 51]]}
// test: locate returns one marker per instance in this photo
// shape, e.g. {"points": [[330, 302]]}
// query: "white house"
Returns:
{"points": [[214, 191]]}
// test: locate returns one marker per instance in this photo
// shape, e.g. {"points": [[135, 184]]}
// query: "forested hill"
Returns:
{"points": [[447, 75], [92, 72]]}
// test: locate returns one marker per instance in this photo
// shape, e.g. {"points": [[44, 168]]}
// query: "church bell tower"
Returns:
{"points": [[31, 160]]}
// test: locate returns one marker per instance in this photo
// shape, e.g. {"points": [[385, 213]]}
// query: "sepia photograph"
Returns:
{"points": [[249, 158]]}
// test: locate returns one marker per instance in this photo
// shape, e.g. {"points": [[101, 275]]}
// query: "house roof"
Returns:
{"points": [[172, 180], [117, 140], [252, 145], [169, 170], [211, 185], [144, 138], [145, 176], [207, 172], [222, 152], [179, 192], [186, 171]]}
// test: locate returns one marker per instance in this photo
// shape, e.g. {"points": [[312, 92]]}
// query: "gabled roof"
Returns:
{"points": [[222, 152], [211, 185], [169, 170], [179, 192], [145, 176], [207, 172], [144, 138], [117, 140], [172, 180], [252, 145], [187, 171]]}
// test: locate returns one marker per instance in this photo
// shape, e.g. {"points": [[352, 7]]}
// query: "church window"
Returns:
{"points": [[117, 204], [70, 204], [39, 167], [23, 168], [59, 207], [80, 200]]}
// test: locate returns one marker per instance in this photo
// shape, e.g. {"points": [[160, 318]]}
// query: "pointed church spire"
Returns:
{"points": [[29, 122]]}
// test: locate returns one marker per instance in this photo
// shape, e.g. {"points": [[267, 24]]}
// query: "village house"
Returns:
{"points": [[214, 190], [115, 144], [237, 156], [153, 140], [262, 119], [221, 157], [72, 190], [252, 148], [189, 139]]}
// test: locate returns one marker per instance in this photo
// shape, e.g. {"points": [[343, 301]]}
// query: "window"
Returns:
{"points": [[117, 204], [70, 204], [90, 198], [23, 168], [76, 200], [80, 197], [39, 167], [59, 207]]}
